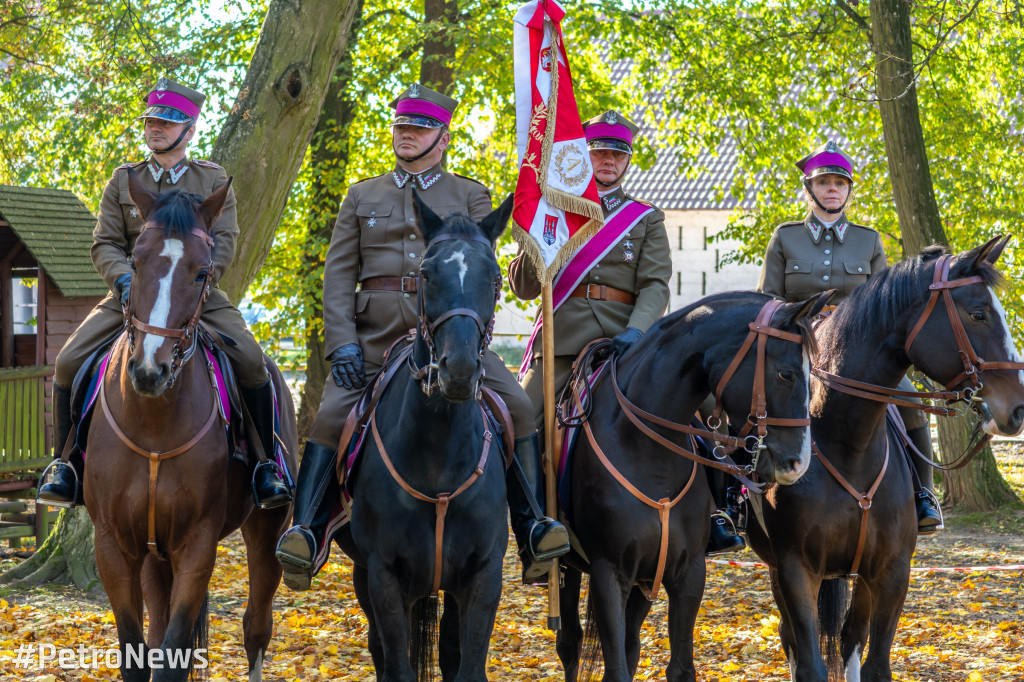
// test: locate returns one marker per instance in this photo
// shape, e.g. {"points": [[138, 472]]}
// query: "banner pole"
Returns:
{"points": [[551, 443]]}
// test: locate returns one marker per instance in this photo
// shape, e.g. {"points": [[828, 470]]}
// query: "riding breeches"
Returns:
{"points": [[533, 384], [102, 323], [337, 402]]}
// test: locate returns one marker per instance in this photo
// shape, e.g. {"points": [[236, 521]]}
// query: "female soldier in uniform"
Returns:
{"points": [[826, 251]]}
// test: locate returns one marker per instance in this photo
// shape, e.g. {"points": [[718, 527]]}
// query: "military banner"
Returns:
{"points": [[556, 206]]}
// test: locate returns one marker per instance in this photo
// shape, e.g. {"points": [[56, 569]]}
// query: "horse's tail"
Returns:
{"points": [[833, 602], [423, 648], [590, 651], [199, 640]]}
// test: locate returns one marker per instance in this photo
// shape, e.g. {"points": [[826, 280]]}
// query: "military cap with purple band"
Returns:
{"points": [[420, 106], [610, 130], [828, 159], [174, 102]]}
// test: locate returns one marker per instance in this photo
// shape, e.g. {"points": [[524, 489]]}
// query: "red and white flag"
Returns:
{"points": [[556, 205]]}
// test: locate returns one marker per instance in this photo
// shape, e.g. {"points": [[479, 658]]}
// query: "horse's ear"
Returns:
{"points": [[811, 307], [430, 223], [993, 255], [214, 204], [143, 199], [496, 222]]}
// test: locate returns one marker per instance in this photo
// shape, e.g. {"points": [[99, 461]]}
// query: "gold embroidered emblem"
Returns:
{"points": [[570, 165]]}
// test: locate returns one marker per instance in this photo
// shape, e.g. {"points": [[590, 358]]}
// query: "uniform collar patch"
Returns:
{"points": [[173, 174], [613, 200], [815, 227], [400, 176], [423, 180]]}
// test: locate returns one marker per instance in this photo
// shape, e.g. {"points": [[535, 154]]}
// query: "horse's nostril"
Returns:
{"points": [[1018, 416]]}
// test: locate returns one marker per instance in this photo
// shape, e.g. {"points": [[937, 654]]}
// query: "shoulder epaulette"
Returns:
{"points": [[789, 223], [206, 164], [357, 182], [465, 177], [132, 164], [641, 201], [863, 227]]}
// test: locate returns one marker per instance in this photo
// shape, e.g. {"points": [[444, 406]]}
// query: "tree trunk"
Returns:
{"points": [[67, 555], [329, 161], [264, 139], [979, 485], [438, 62]]}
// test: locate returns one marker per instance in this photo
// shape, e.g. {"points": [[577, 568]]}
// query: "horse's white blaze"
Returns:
{"points": [[792, 664], [256, 674], [853, 666], [174, 249], [1011, 349], [460, 258]]}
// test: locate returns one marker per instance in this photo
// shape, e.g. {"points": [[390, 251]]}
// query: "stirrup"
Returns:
{"points": [[279, 500], [556, 540], [934, 528], [292, 547], [54, 502]]}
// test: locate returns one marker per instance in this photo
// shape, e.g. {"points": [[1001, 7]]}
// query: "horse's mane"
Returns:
{"points": [[734, 297], [176, 212], [885, 297]]}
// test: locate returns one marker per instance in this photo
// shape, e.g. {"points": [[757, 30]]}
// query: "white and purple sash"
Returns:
{"points": [[586, 257]]}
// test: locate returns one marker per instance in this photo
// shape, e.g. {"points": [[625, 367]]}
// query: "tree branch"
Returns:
{"points": [[861, 22]]}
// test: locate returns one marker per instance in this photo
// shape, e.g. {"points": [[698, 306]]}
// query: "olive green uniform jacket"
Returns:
{"points": [[805, 257]]}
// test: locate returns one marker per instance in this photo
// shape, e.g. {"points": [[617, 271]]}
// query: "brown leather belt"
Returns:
{"points": [[601, 292], [404, 284]]}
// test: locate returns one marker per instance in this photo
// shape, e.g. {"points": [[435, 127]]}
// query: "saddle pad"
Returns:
{"points": [[569, 437]]}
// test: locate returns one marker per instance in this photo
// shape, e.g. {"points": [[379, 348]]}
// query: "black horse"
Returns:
{"points": [[432, 471], [678, 363], [815, 534]]}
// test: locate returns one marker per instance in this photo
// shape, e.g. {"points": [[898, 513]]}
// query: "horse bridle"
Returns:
{"points": [[183, 335], [973, 364], [427, 374]]}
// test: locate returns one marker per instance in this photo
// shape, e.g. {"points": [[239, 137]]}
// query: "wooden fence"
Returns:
{"points": [[23, 419]]}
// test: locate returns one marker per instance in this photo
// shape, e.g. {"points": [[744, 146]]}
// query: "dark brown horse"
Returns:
{"points": [[815, 534], [631, 544], [158, 483]]}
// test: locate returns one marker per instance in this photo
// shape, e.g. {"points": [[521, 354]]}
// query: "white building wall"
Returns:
{"points": [[696, 271]]}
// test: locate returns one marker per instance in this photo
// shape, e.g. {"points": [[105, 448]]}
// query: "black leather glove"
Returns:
{"points": [[622, 341], [347, 366], [123, 284]]}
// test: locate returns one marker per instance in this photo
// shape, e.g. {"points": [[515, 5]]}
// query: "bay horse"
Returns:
{"points": [[158, 484], [858, 520], [634, 508], [428, 510]]}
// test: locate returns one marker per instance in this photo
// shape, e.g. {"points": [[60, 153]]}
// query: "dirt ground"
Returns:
{"points": [[956, 626]]}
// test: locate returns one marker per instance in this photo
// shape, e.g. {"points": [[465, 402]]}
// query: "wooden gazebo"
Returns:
{"points": [[45, 235]]}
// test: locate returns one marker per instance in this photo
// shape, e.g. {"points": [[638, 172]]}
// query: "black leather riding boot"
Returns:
{"points": [[540, 538], [268, 487], [929, 516], [298, 546], [723, 536], [60, 486]]}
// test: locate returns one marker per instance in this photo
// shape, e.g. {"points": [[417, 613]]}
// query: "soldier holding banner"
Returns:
{"points": [[616, 285]]}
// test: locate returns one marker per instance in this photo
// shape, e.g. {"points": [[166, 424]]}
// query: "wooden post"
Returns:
{"points": [[550, 443], [41, 317]]}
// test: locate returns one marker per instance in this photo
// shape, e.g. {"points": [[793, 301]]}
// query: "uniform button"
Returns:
{"points": [[828, 251], [597, 266], [828, 237], [373, 213], [412, 255], [828, 262], [412, 274], [406, 295], [860, 269], [597, 277], [412, 221], [825, 278], [796, 267], [412, 237]]}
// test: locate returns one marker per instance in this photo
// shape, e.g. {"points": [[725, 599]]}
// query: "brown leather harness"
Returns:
{"points": [[973, 365], [426, 375], [186, 334], [758, 418]]}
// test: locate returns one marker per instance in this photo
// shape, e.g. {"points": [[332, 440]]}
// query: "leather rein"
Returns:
{"points": [[758, 418], [186, 334]]}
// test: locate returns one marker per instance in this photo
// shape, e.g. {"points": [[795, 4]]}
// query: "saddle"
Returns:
{"points": [[353, 435]]}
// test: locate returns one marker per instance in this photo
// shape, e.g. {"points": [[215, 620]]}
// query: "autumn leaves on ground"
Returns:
{"points": [[955, 627]]}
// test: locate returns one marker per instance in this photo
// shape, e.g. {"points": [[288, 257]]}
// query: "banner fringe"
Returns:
{"points": [[573, 204], [531, 249], [575, 242]]}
